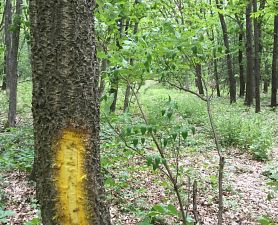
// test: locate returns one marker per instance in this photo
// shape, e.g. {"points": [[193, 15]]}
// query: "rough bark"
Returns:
{"points": [[8, 41], [232, 80], [66, 113], [12, 78], [274, 64], [249, 56], [198, 79], [257, 67]]}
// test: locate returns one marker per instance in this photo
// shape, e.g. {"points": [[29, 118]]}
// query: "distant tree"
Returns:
{"points": [[274, 64], [232, 80], [13, 64], [7, 41], [66, 113], [249, 56]]}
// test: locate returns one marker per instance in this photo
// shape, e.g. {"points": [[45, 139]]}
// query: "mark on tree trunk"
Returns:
{"points": [[69, 177]]}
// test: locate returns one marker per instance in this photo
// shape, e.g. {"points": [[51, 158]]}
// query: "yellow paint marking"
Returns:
{"points": [[69, 177]]}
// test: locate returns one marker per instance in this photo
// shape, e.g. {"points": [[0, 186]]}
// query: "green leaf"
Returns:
{"points": [[174, 136], [169, 114], [143, 140], [165, 142], [172, 210], [194, 49], [149, 160], [143, 130], [184, 134], [159, 208], [135, 142]]}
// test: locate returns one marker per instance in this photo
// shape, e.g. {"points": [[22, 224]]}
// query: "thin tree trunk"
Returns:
{"points": [[114, 91], [127, 97], [199, 83], [216, 76], [232, 80], [66, 113], [257, 67], [13, 63], [249, 56], [274, 64], [8, 43], [104, 64], [241, 66]]}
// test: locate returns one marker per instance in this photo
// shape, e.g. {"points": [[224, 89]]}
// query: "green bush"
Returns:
{"points": [[247, 132], [16, 150]]}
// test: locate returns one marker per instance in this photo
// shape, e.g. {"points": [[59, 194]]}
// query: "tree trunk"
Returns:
{"points": [[216, 75], [274, 64], [127, 97], [249, 56], [198, 79], [241, 66], [12, 78], [66, 113], [114, 91], [114, 80], [102, 80], [232, 80], [8, 42], [257, 67]]}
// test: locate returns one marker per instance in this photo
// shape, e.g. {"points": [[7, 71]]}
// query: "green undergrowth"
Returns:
{"points": [[16, 149]]}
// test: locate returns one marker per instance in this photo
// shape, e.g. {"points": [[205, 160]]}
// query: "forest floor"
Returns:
{"points": [[134, 189], [246, 193]]}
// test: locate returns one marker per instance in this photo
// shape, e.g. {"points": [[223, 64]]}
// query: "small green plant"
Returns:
{"points": [[34, 221], [265, 220], [272, 173], [17, 149], [4, 214]]}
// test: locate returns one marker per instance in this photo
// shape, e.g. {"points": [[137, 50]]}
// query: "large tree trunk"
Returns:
{"points": [[232, 80], [274, 64], [8, 42], [249, 56], [12, 78], [257, 67], [66, 113], [198, 79]]}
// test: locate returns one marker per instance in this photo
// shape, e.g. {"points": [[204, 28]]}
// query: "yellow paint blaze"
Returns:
{"points": [[69, 177]]}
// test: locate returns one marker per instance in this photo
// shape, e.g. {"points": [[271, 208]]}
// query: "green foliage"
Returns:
{"points": [[34, 221], [247, 132], [271, 172], [265, 220], [17, 149], [4, 214]]}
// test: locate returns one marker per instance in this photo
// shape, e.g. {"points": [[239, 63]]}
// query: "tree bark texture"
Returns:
{"points": [[66, 113], [249, 56], [274, 64], [257, 66], [12, 77], [198, 79], [232, 80], [8, 41]]}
